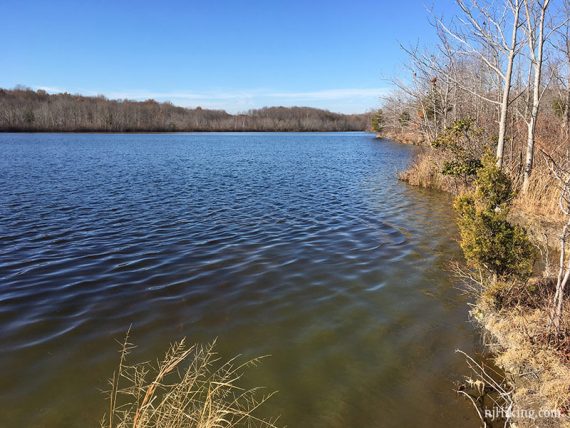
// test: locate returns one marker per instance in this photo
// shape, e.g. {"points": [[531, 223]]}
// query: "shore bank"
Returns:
{"points": [[403, 137], [537, 365]]}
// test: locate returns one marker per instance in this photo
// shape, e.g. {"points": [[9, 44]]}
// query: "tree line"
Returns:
{"points": [[25, 110], [503, 64]]}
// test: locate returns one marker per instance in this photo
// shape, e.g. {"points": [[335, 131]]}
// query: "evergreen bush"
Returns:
{"points": [[488, 239]]}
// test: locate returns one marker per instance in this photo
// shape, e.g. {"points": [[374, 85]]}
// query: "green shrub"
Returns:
{"points": [[467, 167], [451, 138], [494, 188], [461, 145], [488, 239], [377, 121]]}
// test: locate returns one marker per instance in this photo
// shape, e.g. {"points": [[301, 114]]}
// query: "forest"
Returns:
{"points": [[25, 110]]}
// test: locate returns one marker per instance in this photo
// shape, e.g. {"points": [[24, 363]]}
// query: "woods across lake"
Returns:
{"points": [[26, 110]]}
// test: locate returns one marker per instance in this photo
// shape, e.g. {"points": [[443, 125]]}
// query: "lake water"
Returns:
{"points": [[302, 246]]}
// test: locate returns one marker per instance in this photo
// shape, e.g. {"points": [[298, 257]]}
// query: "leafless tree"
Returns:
{"points": [[23, 109], [535, 12], [488, 32], [561, 171]]}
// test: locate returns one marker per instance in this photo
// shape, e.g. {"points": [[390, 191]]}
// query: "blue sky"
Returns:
{"points": [[227, 54]]}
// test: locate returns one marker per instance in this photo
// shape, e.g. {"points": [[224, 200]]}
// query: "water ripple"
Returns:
{"points": [[303, 246]]}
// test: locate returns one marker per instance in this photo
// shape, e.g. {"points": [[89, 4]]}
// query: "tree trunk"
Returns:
{"points": [[507, 90], [563, 274], [537, 64]]}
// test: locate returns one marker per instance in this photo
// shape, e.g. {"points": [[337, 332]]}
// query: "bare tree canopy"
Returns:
{"points": [[23, 109]]}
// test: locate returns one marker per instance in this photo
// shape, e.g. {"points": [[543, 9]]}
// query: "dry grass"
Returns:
{"points": [[542, 197], [425, 171], [538, 210], [189, 387], [520, 339], [422, 172], [515, 319], [406, 137]]}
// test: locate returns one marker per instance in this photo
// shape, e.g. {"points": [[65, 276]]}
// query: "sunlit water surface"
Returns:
{"points": [[302, 246]]}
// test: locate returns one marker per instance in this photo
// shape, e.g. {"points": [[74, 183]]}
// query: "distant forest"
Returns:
{"points": [[26, 110]]}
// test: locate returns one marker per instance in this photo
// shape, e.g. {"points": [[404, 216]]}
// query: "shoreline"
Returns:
{"points": [[238, 131], [537, 373], [411, 138]]}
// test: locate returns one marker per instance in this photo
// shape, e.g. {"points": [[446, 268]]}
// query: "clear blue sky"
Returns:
{"points": [[226, 54]]}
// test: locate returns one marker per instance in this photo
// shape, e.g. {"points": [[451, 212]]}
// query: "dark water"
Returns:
{"points": [[302, 246]]}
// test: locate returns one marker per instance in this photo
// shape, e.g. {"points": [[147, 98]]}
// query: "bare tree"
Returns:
{"points": [[561, 171], [491, 34], [535, 12], [23, 109], [561, 70]]}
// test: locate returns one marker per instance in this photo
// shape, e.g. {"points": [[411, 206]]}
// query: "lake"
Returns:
{"points": [[302, 246]]}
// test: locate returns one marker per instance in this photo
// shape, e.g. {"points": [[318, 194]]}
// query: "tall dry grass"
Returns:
{"points": [[542, 197], [425, 171], [538, 209], [190, 387]]}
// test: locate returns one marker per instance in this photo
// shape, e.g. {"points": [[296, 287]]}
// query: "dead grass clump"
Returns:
{"points": [[516, 321], [425, 171], [413, 137], [532, 294], [541, 373], [190, 387], [542, 197]]}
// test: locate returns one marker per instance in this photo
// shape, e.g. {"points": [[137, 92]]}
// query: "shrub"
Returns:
{"points": [[465, 168], [488, 239], [461, 145], [377, 121], [494, 188]]}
